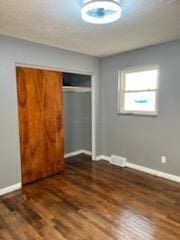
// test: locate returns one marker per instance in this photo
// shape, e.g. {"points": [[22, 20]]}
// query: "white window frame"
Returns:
{"points": [[121, 90]]}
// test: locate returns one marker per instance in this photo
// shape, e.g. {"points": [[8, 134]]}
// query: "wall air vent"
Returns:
{"points": [[117, 160]]}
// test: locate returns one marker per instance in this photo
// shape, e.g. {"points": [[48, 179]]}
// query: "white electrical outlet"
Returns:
{"points": [[163, 159]]}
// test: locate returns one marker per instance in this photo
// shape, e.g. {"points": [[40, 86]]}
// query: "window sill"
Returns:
{"points": [[138, 114]]}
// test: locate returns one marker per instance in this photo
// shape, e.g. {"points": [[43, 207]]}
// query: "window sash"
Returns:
{"points": [[135, 80], [132, 101]]}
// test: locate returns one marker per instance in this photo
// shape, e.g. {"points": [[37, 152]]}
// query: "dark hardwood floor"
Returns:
{"points": [[93, 201]]}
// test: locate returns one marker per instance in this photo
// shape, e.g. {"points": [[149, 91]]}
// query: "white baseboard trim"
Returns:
{"points": [[103, 157], [72, 154], [98, 158], [81, 151], [153, 172], [10, 189]]}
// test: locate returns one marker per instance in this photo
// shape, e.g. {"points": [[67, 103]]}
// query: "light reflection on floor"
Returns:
{"points": [[135, 226]]}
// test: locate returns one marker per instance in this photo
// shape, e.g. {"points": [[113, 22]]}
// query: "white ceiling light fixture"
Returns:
{"points": [[101, 11]]}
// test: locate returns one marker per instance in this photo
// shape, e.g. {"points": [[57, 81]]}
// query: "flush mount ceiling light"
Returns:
{"points": [[101, 11]]}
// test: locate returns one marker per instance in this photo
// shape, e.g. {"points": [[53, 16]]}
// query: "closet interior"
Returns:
{"points": [[77, 112]]}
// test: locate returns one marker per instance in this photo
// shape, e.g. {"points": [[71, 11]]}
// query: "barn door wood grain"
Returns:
{"points": [[40, 123]]}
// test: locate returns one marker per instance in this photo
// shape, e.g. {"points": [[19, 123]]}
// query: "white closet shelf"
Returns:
{"points": [[76, 89]]}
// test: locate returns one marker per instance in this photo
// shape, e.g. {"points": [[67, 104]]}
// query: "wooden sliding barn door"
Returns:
{"points": [[40, 123]]}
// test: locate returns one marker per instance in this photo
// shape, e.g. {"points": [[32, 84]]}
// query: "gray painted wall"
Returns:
{"points": [[142, 140], [11, 51], [77, 119]]}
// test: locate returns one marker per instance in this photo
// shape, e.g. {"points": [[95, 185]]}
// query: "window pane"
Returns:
{"points": [[140, 101], [141, 80]]}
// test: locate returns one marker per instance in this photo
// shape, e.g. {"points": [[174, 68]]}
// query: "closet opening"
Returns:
{"points": [[77, 98]]}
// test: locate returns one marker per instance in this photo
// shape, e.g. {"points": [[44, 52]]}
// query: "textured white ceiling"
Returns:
{"points": [[58, 23]]}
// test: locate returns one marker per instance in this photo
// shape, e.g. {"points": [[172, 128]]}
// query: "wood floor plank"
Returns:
{"points": [[93, 201]]}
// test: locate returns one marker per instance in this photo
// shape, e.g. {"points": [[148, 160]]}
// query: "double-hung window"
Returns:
{"points": [[138, 91]]}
